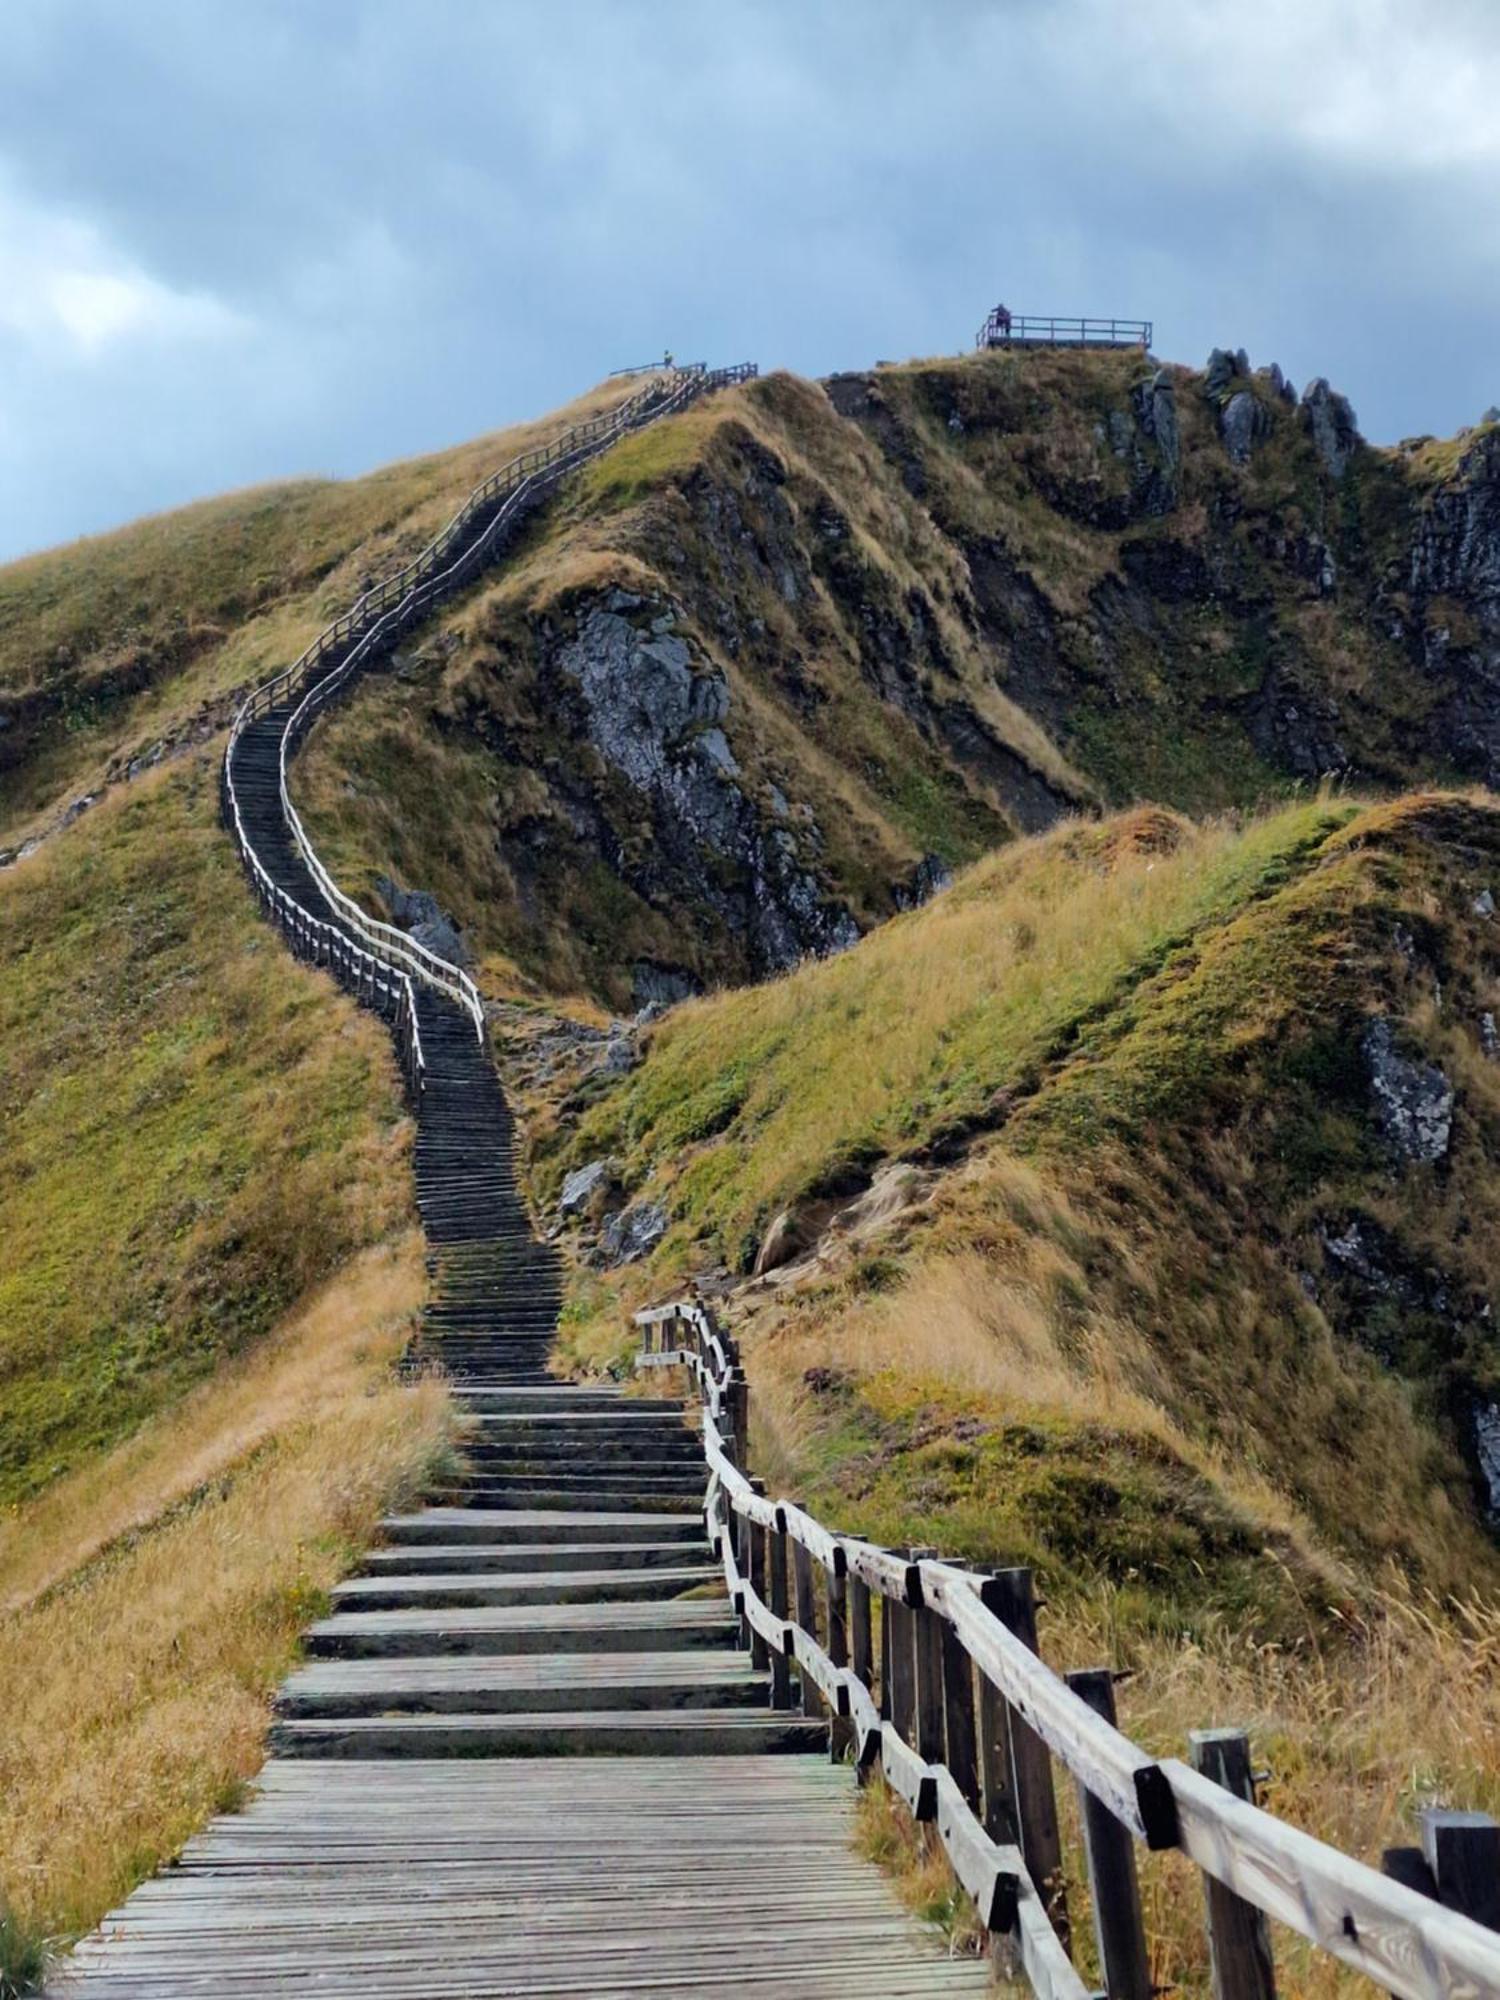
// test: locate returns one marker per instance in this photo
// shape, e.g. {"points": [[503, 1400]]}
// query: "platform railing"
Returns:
{"points": [[932, 1672], [1004, 329]]}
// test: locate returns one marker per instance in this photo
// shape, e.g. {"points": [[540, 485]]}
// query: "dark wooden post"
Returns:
{"points": [[1239, 1937], [759, 1654], [1112, 1877], [805, 1604], [1463, 1851], [958, 1716], [861, 1638], [927, 1658], [1010, 1595], [898, 1665], [835, 1602], [737, 1416], [781, 1672]]}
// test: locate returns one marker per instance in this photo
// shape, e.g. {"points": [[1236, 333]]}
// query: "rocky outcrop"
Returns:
{"points": [[1412, 1100], [423, 918], [654, 711], [1330, 419]]}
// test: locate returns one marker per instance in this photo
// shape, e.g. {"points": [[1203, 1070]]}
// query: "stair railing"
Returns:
{"points": [[377, 958], [932, 1671]]}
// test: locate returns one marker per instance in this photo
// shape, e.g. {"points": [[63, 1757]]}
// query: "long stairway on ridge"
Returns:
{"points": [[426, 1824]]}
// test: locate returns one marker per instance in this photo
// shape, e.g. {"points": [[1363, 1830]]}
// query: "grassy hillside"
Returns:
{"points": [[115, 647], [924, 609], [165, 1583], [1127, 1067], [195, 1131]]}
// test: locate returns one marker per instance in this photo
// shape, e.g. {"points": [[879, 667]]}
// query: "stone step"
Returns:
{"points": [[697, 1733]]}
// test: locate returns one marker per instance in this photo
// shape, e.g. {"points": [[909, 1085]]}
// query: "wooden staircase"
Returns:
{"points": [[525, 1753]]}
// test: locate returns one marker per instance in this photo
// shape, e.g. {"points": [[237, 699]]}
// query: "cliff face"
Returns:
{"points": [[774, 669]]}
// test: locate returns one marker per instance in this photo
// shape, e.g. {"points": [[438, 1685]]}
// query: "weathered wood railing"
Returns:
{"points": [[932, 1671], [376, 960]]}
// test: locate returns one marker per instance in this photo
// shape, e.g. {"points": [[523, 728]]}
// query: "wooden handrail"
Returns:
{"points": [[1410, 1944], [376, 959]]}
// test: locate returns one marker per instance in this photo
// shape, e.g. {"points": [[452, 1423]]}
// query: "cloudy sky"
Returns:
{"points": [[246, 238]]}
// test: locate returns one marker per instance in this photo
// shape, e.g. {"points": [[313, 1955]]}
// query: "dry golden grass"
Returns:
{"points": [[159, 1612]]}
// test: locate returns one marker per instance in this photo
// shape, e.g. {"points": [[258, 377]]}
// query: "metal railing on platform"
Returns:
{"points": [[932, 1671], [1003, 329], [376, 959]]}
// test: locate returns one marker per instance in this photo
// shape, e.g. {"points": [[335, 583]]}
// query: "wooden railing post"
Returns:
{"points": [[759, 1651], [1463, 1851], [781, 1672], [927, 1658], [1239, 1938], [1112, 1877], [1010, 1595], [835, 1603], [805, 1611], [737, 1418], [897, 1666]]}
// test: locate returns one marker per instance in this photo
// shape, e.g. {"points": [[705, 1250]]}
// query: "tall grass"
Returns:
{"points": [[156, 1597]]}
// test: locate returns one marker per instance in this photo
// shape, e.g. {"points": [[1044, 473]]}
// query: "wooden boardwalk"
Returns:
{"points": [[611, 1876]]}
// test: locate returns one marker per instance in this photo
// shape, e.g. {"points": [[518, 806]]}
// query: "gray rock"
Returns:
{"points": [[660, 985], [1156, 412], [785, 1240], [1413, 1100], [930, 876], [1487, 1453], [1242, 424], [1484, 904], [1221, 370], [632, 1232], [579, 1187], [1489, 1037], [419, 913], [619, 1057], [955, 423], [1491, 415], [1280, 387], [1331, 420]]}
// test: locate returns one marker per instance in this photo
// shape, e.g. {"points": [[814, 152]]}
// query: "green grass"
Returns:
{"points": [[193, 1130], [931, 1021]]}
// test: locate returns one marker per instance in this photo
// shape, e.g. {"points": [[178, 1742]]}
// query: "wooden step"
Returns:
{"points": [[523, 1559], [501, 1525], [532, 1683], [587, 1733], [615, 1586], [523, 1628]]}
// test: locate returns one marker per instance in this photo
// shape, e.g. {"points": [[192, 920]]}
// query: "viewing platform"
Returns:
{"points": [[1007, 329]]}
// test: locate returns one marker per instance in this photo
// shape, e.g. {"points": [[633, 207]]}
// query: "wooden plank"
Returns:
{"points": [[1405, 1943]]}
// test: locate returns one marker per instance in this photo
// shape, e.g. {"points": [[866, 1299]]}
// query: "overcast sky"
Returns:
{"points": [[246, 238]]}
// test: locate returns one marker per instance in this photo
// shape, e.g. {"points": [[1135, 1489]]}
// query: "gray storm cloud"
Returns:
{"points": [[241, 242]]}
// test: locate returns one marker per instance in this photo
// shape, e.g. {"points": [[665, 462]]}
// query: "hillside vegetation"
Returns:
{"points": [[1127, 1072], [194, 1132], [769, 668], [117, 650]]}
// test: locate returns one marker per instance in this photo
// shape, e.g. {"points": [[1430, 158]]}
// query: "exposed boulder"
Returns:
{"points": [[785, 1240], [660, 985], [1243, 422], [419, 913], [1412, 1100], [582, 1187], [632, 1232], [1222, 369], [1330, 418]]}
